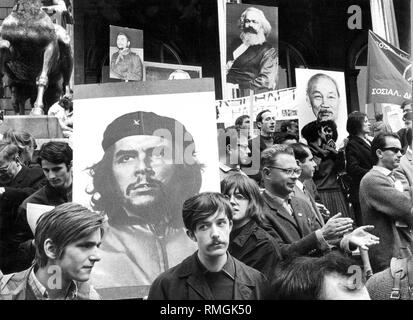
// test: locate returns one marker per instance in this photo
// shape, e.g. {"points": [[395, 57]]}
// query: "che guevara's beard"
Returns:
{"points": [[251, 37], [153, 211]]}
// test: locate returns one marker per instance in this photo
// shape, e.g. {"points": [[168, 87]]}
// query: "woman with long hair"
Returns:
{"points": [[249, 242], [25, 142]]}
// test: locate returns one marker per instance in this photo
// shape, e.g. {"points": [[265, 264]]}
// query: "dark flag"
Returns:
{"points": [[389, 72]]}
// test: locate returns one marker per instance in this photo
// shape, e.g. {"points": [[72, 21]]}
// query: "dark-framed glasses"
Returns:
{"points": [[393, 149], [289, 171]]}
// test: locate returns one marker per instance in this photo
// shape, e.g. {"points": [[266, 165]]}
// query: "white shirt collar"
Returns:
{"points": [[383, 170], [299, 184]]}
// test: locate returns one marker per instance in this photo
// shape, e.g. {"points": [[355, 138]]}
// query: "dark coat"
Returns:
{"points": [[295, 234], [255, 247], [308, 197], [358, 162], [402, 133], [255, 69], [186, 281], [22, 235], [26, 182]]}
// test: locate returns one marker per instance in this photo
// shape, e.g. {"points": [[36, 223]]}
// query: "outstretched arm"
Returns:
{"points": [[359, 238]]}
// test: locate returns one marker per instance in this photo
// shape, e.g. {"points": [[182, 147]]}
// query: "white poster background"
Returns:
{"points": [[194, 110], [305, 112], [281, 103]]}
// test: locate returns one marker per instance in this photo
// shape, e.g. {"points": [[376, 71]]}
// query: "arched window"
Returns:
{"points": [[289, 59]]}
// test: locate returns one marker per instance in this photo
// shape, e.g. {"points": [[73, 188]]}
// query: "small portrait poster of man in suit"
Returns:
{"points": [[252, 48], [126, 54]]}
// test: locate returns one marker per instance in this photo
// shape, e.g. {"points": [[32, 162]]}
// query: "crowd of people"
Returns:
{"points": [[280, 229]]}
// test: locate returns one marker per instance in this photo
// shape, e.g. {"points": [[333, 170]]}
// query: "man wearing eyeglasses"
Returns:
{"points": [[383, 202], [289, 219], [17, 182]]}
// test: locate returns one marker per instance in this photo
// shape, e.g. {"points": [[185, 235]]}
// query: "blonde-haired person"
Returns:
{"points": [[25, 142]]}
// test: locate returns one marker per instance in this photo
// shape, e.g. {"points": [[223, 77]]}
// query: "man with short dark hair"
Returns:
{"points": [[330, 277], [383, 202], [125, 64], [55, 158], [67, 247], [305, 160], [265, 122], [211, 273]]}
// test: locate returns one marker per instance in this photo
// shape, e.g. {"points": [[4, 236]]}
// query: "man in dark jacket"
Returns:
{"points": [[290, 219], [211, 273], [55, 158], [17, 182]]}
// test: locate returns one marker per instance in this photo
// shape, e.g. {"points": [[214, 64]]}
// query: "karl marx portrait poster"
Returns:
{"points": [[138, 155], [251, 49], [126, 54]]}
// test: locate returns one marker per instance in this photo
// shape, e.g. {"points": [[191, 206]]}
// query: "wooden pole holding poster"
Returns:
{"points": [[222, 29], [251, 111]]}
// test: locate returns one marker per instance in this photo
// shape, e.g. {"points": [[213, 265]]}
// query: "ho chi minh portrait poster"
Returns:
{"points": [[321, 94], [141, 149], [249, 39]]}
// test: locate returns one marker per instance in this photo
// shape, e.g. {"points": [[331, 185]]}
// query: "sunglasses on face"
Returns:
{"points": [[393, 149]]}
